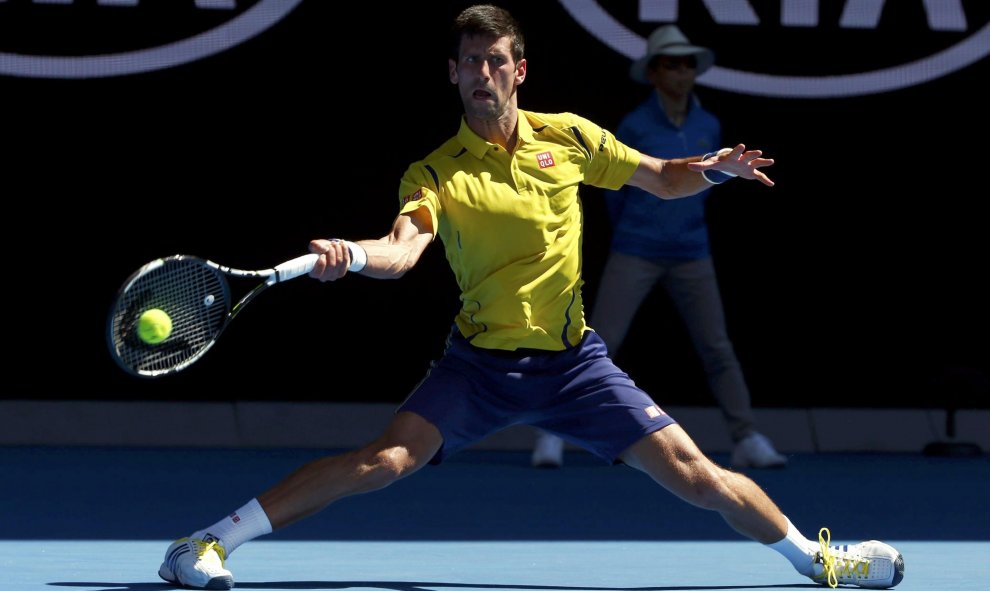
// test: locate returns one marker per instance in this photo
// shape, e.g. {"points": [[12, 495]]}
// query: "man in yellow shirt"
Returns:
{"points": [[502, 195], [509, 216]]}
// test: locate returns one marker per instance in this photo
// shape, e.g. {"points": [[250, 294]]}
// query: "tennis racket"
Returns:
{"points": [[195, 294]]}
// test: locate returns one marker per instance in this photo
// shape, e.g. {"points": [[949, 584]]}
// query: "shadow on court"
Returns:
{"points": [[417, 586]]}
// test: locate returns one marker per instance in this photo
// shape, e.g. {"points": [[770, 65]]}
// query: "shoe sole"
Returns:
{"points": [[216, 583]]}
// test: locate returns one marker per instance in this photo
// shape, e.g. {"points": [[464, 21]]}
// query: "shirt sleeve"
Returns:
{"points": [[418, 189], [611, 162]]}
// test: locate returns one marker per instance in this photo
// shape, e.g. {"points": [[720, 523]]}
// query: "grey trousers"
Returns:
{"points": [[693, 287]]}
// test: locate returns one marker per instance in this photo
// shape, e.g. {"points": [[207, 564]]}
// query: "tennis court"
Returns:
{"points": [[100, 518]]}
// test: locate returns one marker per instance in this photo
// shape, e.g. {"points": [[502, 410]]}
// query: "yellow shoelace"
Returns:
{"points": [[848, 566], [828, 561], [202, 548]]}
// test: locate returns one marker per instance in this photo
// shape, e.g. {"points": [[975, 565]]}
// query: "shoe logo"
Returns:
{"points": [[545, 160], [247, 19], [919, 46]]}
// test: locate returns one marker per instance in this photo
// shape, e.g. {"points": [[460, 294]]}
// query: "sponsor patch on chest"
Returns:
{"points": [[545, 160]]}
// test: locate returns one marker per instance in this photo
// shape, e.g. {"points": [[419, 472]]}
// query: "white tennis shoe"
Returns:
{"points": [[871, 564], [196, 564]]}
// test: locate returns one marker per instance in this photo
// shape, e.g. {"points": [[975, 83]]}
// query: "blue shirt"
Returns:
{"points": [[644, 225]]}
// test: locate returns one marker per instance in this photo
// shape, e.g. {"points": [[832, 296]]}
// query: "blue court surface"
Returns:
{"points": [[88, 519]]}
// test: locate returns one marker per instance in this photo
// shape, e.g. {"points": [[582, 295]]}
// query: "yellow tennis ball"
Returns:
{"points": [[154, 326]]}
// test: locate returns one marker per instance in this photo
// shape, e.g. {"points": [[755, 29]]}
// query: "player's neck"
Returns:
{"points": [[502, 131]]}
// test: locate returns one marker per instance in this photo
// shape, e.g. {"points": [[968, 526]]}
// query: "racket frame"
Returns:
{"points": [[121, 323]]}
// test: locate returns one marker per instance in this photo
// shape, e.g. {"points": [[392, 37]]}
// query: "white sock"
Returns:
{"points": [[797, 549], [247, 523]]}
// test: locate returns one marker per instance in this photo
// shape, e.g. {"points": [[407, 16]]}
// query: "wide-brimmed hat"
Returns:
{"points": [[669, 40]]}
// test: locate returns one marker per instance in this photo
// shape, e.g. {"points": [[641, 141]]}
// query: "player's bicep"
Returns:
{"points": [[413, 230]]}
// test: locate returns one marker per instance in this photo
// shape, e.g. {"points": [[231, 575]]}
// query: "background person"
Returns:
{"points": [[657, 242]]}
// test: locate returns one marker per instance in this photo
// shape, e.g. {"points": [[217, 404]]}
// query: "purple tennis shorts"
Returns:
{"points": [[577, 394]]}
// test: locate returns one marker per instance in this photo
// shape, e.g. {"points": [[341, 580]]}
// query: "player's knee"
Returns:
{"points": [[384, 466]]}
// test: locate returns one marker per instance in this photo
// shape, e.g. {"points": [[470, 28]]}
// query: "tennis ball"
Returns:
{"points": [[154, 326]]}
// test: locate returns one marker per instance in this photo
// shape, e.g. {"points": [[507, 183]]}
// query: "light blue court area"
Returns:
{"points": [[470, 566], [86, 519]]}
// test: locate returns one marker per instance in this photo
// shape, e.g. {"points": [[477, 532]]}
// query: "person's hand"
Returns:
{"points": [[738, 162], [334, 259]]}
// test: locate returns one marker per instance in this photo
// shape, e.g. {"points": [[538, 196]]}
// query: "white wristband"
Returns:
{"points": [[716, 177], [359, 256]]}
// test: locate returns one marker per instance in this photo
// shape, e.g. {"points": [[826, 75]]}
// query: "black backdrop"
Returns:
{"points": [[859, 280]]}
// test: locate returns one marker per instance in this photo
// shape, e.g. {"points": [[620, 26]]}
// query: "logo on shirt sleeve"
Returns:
{"points": [[545, 160], [653, 411], [414, 197]]}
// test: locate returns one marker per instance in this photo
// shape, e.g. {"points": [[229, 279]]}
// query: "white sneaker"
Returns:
{"points": [[548, 451], [870, 564], [196, 564], [756, 451]]}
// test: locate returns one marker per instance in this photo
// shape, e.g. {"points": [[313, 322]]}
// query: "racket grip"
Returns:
{"points": [[296, 267]]}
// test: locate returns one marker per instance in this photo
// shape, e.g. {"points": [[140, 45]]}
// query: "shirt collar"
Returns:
{"points": [[478, 147]]}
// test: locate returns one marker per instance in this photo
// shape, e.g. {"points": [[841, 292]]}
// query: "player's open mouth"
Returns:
{"points": [[482, 94]]}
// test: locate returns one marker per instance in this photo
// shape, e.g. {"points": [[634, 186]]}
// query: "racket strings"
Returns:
{"points": [[196, 298]]}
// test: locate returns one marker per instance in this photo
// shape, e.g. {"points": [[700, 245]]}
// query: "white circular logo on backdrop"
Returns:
{"points": [[251, 22], [590, 15]]}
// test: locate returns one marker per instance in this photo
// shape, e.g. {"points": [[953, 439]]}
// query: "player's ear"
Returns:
{"points": [[452, 70], [520, 71]]}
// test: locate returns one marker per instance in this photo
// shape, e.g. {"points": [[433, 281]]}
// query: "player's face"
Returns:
{"points": [[486, 76]]}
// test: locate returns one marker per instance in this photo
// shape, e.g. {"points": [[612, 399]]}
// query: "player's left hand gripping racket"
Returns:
{"points": [[195, 294]]}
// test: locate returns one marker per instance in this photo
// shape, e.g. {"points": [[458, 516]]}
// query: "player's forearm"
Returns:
{"points": [[668, 179], [392, 255], [388, 260]]}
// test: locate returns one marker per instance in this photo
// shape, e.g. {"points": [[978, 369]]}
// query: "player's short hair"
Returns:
{"points": [[486, 20]]}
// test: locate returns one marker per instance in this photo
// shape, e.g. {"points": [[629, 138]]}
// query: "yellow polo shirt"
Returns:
{"points": [[511, 224]]}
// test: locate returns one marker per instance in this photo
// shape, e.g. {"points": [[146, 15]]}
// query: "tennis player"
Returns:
{"points": [[502, 195]]}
